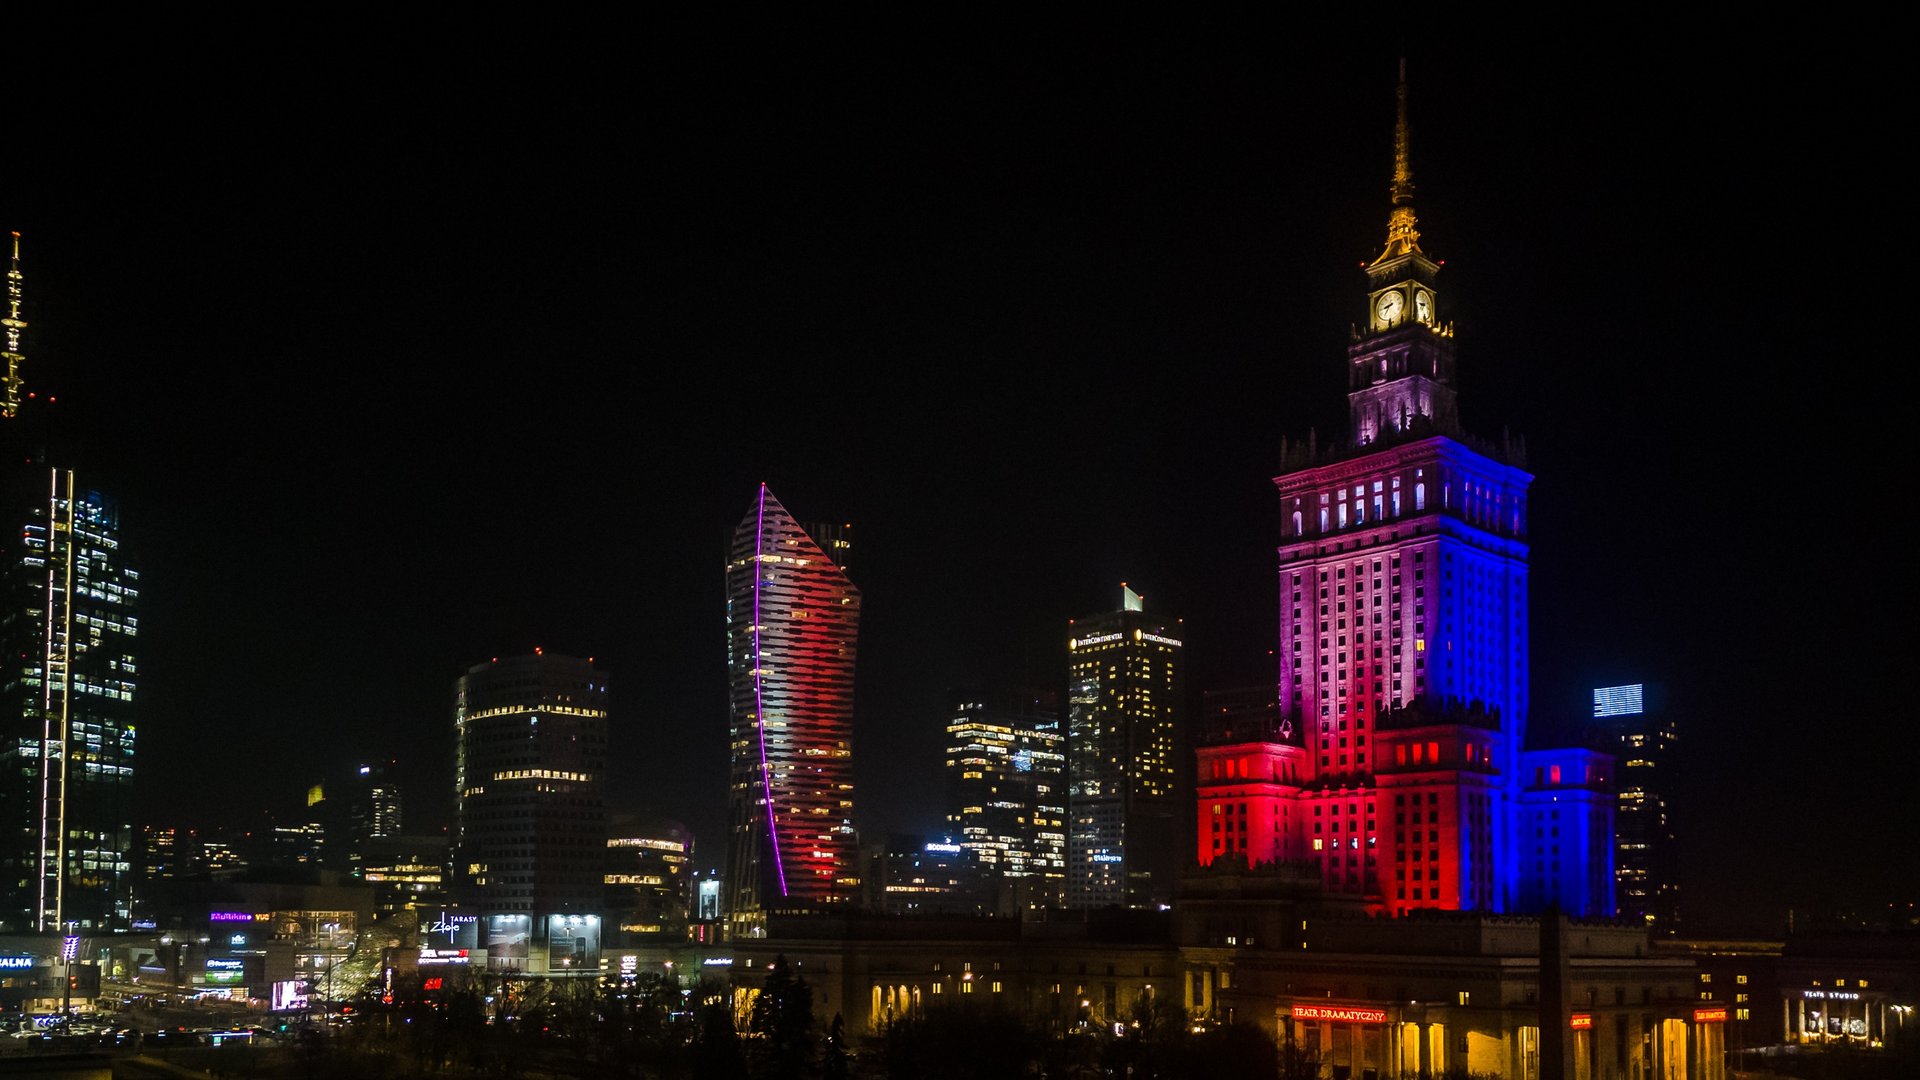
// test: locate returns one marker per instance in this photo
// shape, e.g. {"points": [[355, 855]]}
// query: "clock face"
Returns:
{"points": [[1387, 308], [1423, 306]]}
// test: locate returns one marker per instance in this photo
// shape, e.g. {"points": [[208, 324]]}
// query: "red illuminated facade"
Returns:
{"points": [[793, 619], [1402, 772]]}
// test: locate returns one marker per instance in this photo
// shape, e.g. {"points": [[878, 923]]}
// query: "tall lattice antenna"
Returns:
{"points": [[10, 406]]}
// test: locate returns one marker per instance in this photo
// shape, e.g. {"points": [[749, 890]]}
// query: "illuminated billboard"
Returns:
{"points": [[291, 994], [1618, 701], [573, 942], [506, 939]]}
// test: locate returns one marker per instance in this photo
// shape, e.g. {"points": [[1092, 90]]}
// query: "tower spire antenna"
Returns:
{"points": [[10, 403], [1403, 232]]}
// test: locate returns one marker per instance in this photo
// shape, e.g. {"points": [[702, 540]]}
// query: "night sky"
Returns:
{"points": [[403, 357]]}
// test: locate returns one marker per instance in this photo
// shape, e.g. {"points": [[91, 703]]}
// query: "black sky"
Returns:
{"points": [[400, 357]]}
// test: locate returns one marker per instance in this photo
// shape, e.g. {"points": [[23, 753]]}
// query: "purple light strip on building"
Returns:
{"points": [[759, 714]]}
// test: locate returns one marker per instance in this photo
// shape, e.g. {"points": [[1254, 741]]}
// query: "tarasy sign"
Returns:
{"points": [[1340, 1014]]}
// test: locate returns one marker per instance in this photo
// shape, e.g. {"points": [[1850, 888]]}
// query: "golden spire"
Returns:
{"points": [[10, 401], [1403, 233]]}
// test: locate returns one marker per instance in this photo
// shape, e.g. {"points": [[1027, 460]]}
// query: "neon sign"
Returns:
{"points": [[1582, 1022], [950, 849], [1709, 1016], [233, 916], [15, 963], [450, 924], [1340, 1014]]}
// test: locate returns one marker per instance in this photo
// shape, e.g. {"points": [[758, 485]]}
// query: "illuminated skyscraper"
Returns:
{"points": [[1403, 647], [1123, 715], [530, 818], [1007, 791], [1634, 723], [68, 625], [793, 621]]}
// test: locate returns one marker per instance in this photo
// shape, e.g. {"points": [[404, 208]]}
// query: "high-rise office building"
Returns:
{"points": [[1634, 723], [1124, 705], [911, 875], [1403, 647], [649, 879], [1007, 791], [69, 627], [793, 622], [406, 872], [351, 810], [373, 803], [530, 820]]}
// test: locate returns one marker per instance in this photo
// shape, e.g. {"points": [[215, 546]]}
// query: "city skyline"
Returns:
{"points": [[1188, 278]]}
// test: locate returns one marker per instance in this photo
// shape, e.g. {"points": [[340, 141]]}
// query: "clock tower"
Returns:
{"points": [[1400, 365]]}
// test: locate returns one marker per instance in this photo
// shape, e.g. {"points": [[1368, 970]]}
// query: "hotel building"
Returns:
{"points": [[1124, 685], [1007, 793]]}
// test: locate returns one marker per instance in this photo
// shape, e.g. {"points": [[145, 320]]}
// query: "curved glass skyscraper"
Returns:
{"points": [[793, 619]]}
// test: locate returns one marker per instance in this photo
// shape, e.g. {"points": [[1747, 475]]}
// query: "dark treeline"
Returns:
{"points": [[473, 1025]]}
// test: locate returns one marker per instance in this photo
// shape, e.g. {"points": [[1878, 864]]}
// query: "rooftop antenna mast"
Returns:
{"points": [[10, 404]]}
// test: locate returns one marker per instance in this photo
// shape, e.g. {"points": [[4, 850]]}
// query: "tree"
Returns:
{"points": [[833, 1060], [960, 1043], [1236, 1050], [1298, 1063], [716, 1050], [783, 1018]]}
